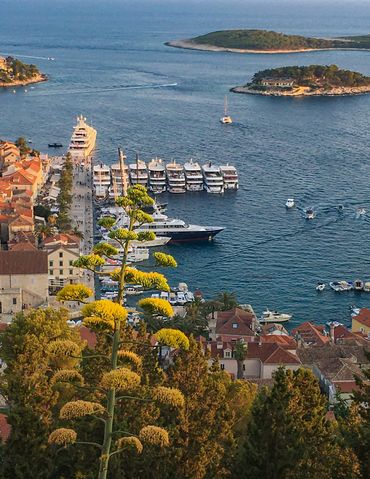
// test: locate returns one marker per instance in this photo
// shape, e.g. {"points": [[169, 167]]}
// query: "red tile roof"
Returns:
{"points": [[270, 353], [311, 334], [346, 386], [286, 342], [23, 262], [363, 317], [236, 323], [4, 428]]}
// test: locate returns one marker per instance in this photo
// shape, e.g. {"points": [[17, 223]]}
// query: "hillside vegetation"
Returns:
{"points": [[13, 70]]}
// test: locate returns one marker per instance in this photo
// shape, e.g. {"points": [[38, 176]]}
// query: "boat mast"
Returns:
{"points": [[225, 105], [122, 158]]}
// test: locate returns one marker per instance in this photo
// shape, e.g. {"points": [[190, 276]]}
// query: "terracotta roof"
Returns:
{"points": [[363, 317], [64, 238], [22, 246], [311, 334], [346, 386], [4, 428], [23, 262], [270, 353], [235, 322], [286, 342]]}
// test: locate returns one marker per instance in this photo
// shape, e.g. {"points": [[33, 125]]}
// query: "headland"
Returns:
{"points": [[13, 72]]}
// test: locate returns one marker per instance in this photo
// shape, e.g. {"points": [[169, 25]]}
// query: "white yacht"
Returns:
{"points": [[101, 180], [175, 178], [274, 317], [157, 176], [193, 176], [213, 180], [176, 229], [138, 173], [83, 139], [290, 203], [230, 176]]}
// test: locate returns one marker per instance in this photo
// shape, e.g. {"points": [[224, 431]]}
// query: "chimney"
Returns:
{"points": [[332, 337]]}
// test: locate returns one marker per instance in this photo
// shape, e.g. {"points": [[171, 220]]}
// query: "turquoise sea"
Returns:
{"points": [[111, 65]]}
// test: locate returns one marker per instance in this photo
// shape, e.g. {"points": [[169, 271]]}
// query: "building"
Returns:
{"points": [[23, 280], [232, 325], [361, 322], [278, 82], [308, 334]]}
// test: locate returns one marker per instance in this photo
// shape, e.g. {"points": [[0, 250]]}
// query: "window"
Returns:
{"points": [[61, 254], [60, 263], [243, 367], [227, 354], [51, 263], [222, 366], [14, 300], [71, 271], [61, 272], [235, 325], [71, 262], [51, 272]]}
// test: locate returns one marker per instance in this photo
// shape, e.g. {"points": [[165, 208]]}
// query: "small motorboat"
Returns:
{"points": [[340, 208], [367, 287], [274, 317], [55, 145], [290, 203], [310, 214], [340, 286], [358, 285], [354, 310], [360, 212], [320, 286]]}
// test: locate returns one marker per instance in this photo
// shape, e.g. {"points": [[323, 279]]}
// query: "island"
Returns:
{"points": [[13, 72], [312, 80], [264, 41]]}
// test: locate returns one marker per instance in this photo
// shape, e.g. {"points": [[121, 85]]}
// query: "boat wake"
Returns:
{"points": [[92, 91], [18, 55]]}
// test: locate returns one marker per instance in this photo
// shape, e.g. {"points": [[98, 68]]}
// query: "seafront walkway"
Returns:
{"points": [[82, 208]]}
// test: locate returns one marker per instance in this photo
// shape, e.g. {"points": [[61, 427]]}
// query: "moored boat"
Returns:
{"points": [[175, 178], [138, 173], [213, 180], [230, 177], [358, 285], [274, 317], [290, 203], [157, 176], [320, 286], [83, 139], [193, 176]]}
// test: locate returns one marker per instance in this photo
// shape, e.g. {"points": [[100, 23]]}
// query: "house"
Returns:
{"points": [[361, 322], [23, 280], [278, 82], [232, 325], [309, 334], [262, 359]]}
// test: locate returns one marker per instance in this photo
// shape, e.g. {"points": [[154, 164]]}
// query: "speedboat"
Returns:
{"points": [[290, 203], [354, 310], [320, 286], [310, 214], [340, 286], [360, 212], [358, 285], [274, 317]]}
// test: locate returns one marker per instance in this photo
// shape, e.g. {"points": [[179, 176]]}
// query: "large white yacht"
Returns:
{"points": [[193, 176], [157, 176], [178, 230], [138, 173], [230, 176], [175, 178], [213, 180], [83, 139], [118, 183], [101, 180]]}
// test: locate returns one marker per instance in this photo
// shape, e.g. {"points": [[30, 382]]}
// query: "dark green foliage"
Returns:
{"points": [[42, 211], [269, 40], [16, 70], [315, 76]]}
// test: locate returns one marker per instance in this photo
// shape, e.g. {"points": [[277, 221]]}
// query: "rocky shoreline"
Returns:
{"points": [[36, 79], [304, 91]]}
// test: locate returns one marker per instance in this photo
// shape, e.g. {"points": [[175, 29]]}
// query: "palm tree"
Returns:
{"points": [[227, 300], [240, 354], [75, 231]]}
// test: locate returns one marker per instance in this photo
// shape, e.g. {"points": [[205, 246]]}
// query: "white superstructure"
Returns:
{"points": [[138, 173], [157, 176], [175, 178], [213, 180], [83, 139], [101, 180], [230, 176], [193, 176]]}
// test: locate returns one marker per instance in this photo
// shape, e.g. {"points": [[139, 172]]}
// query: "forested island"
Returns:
{"points": [[13, 72], [264, 41], [322, 80]]}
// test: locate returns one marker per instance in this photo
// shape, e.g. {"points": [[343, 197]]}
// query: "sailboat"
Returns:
{"points": [[226, 119]]}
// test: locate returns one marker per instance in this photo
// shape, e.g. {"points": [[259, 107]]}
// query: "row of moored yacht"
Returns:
{"points": [[159, 177]]}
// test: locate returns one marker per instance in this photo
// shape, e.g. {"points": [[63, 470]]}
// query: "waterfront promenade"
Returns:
{"points": [[82, 208]]}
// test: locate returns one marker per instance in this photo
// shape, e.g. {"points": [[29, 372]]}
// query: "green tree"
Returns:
{"points": [[240, 354], [26, 385]]}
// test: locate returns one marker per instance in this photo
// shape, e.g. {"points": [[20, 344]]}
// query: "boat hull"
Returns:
{"points": [[187, 236]]}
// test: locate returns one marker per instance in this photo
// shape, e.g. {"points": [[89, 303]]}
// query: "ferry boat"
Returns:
{"points": [[226, 119], [83, 139], [157, 176], [175, 178], [101, 180], [178, 230], [213, 180], [138, 173], [274, 317], [230, 176], [193, 176]]}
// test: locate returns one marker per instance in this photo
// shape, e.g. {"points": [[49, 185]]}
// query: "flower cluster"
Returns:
{"points": [[90, 261], [155, 436], [74, 292], [173, 338], [121, 235], [106, 310], [96, 323], [74, 409], [122, 379], [131, 357], [131, 441], [67, 375], [165, 260], [64, 347], [62, 437], [105, 249], [138, 195], [156, 306], [147, 280], [107, 222], [169, 396]]}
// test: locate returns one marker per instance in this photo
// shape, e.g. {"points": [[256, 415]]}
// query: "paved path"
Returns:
{"points": [[82, 208]]}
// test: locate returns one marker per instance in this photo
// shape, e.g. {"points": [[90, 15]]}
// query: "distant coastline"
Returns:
{"points": [[305, 91], [36, 79]]}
